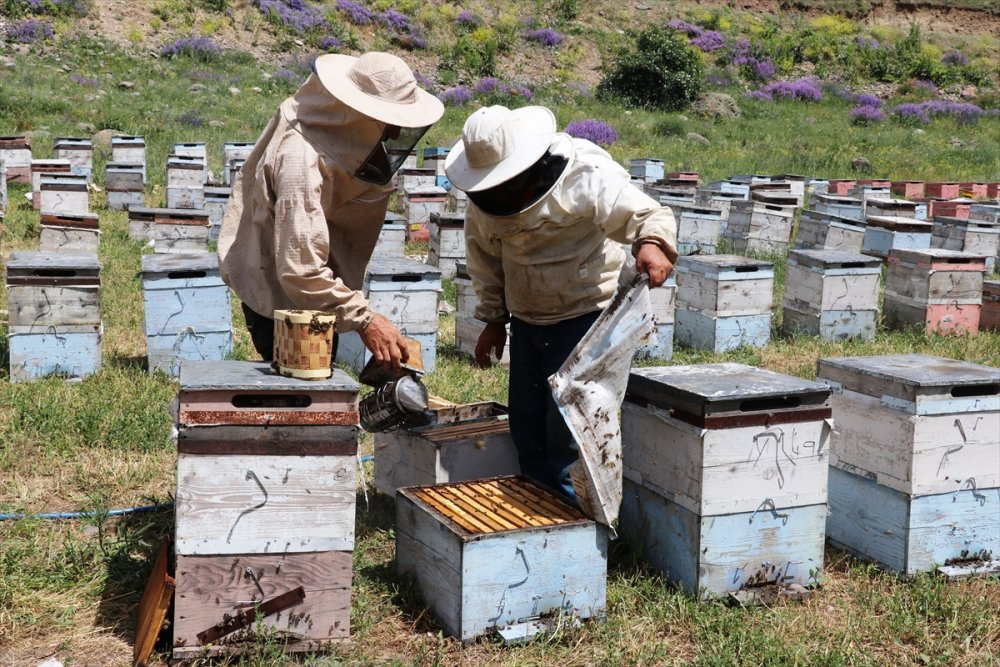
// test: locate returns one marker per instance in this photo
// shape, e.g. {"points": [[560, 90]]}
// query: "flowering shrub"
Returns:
{"points": [[84, 81], [926, 86], [868, 43], [329, 43], [517, 90], [593, 130], [486, 85], [200, 48], [866, 115], [662, 71], [467, 19], [687, 28], [709, 41], [867, 100], [190, 118], [922, 112], [395, 20], [955, 58], [355, 13], [751, 60], [801, 89], [544, 36], [456, 96], [28, 31], [422, 80], [296, 15], [295, 70], [72, 8]]}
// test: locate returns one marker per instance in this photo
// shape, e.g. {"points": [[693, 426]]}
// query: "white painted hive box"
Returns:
{"points": [[825, 231], [698, 229], [70, 232], [981, 237], [885, 233], [831, 294], [63, 193]]}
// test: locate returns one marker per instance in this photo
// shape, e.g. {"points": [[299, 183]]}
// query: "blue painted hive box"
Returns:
{"points": [[500, 555], [831, 294], [54, 317], [188, 316], [915, 463], [699, 229], [725, 475], [723, 301], [841, 206], [886, 233]]}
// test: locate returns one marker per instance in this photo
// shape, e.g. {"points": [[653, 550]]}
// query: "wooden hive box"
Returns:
{"points": [[993, 189], [885, 233], [840, 186], [825, 231], [776, 194], [980, 237], [868, 192], [468, 443], [458, 201], [15, 153], [899, 208], [723, 301], [186, 196], [70, 232], [725, 471], [265, 507], [125, 186], [973, 189], [47, 167], [831, 294], [662, 301], [418, 205], [647, 169], [942, 190], [235, 165], [672, 197], [63, 193], [416, 178], [434, 157], [758, 227], [185, 170], [916, 438], [985, 212], [129, 150], [875, 182], [447, 242], [989, 316], [182, 231], [3, 188], [80, 153], [216, 199], [406, 292], [699, 229], [142, 221], [718, 199], [500, 555], [467, 327], [907, 189], [940, 290], [195, 149], [392, 238], [54, 318], [187, 310], [234, 150], [841, 206]]}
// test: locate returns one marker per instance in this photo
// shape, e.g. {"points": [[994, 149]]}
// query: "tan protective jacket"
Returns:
{"points": [[560, 258], [299, 229]]}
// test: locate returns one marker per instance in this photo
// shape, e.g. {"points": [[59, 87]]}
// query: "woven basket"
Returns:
{"points": [[303, 344]]}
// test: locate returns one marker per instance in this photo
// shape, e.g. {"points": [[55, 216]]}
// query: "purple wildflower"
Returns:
{"points": [[800, 89], [203, 48], [545, 37], [763, 69], [685, 27], [955, 58], [356, 14], [467, 19], [911, 113], [296, 15], [486, 85], [709, 41], [517, 90], [926, 86], [29, 31], [865, 115], [329, 43], [422, 80], [456, 96], [867, 100], [869, 43], [751, 59], [395, 20], [593, 130], [761, 95], [922, 112], [190, 118], [77, 8], [288, 76], [84, 81]]}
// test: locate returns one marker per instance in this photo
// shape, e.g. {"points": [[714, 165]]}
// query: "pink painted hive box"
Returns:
{"points": [[940, 290]]}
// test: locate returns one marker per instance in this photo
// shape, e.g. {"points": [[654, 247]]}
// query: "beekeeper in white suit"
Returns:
{"points": [[546, 218], [310, 201]]}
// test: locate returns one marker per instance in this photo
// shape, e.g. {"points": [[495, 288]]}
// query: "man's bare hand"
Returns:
{"points": [[493, 339], [652, 261], [386, 343]]}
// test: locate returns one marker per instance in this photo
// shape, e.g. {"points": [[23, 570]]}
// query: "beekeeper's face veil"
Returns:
{"points": [[381, 86]]}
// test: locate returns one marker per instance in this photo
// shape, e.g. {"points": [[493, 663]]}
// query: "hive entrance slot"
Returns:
{"points": [[745, 269], [55, 273], [852, 265], [405, 279], [180, 275], [966, 390], [271, 401], [770, 403]]}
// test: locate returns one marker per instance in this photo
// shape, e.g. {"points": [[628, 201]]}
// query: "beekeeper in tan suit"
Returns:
{"points": [[546, 219], [310, 201]]}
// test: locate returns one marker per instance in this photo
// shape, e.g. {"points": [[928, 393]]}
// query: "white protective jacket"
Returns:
{"points": [[560, 257]]}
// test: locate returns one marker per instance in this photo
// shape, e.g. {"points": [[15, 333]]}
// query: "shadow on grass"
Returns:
{"points": [[126, 362]]}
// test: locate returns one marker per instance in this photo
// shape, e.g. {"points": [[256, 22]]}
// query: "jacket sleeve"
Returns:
{"points": [[302, 243], [630, 216], [483, 258]]}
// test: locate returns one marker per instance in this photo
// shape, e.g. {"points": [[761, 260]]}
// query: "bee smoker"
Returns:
{"points": [[393, 404]]}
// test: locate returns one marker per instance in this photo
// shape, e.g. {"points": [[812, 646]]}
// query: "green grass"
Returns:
{"points": [[70, 588]]}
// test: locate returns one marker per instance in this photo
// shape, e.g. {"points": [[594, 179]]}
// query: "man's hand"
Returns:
{"points": [[385, 342], [651, 261], [493, 338]]}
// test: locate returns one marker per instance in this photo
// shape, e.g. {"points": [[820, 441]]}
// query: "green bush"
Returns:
{"points": [[71, 8], [471, 56], [661, 71], [669, 127]]}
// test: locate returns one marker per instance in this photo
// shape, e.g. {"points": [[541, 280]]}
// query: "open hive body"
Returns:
{"points": [[266, 479], [915, 461], [500, 555], [725, 475]]}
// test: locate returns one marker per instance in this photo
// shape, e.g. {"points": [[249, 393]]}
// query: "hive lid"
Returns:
{"points": [[23, 262], [727, 394], [897, 224], [217, 191], [936, 256], [830, 218], [254, 376], [879, 202], [448, 219], [753, 268], [182, 262], [391, 217], [842, 200], [382, 267], [495, 505], [79, 220], [834, 259], [991, 225]]}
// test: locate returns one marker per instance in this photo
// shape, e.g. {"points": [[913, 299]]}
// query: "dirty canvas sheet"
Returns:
{"points": [[589, 389]]}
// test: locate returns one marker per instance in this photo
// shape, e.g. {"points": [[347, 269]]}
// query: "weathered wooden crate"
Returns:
{"points": [[985, 212], [717, 457], [907, 189], [776, 194], [648, 169], [699, 229], [416, 178], [63, 193], [723, 301], [935, 469], [186, 196], [979, 237], [418, 206], [181, 236], [672, 197], [392, 238], [718, 199], [129, 150], [74, 232], [875, 182], [942, 190], [3, 188], [796, 182], [467, 327], [759, 227], [142, 221], [868, 192], [234, 150], [47, 167], [831, 294], [886, 233], [80, 153], [187, 310], [406, 292], [475, 446], [458, 201], [817, 186], [662, 301], [216, 199], [15, 153], [993, 189], [730, 187], [825, 231], [54, 314], [447, 242], [125, 186], [186, 170], [434, 157], [840, 186], [499, 555], [973, 189], [682, 179], [938, 289], [840, 206], [896, 208], [989, 315]]}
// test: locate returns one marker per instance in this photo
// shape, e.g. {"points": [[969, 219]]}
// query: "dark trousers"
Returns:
{"points": [[545, 446], [261, 333]]}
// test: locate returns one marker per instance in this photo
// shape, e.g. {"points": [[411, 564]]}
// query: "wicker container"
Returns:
{"points": [[303, 344]]}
